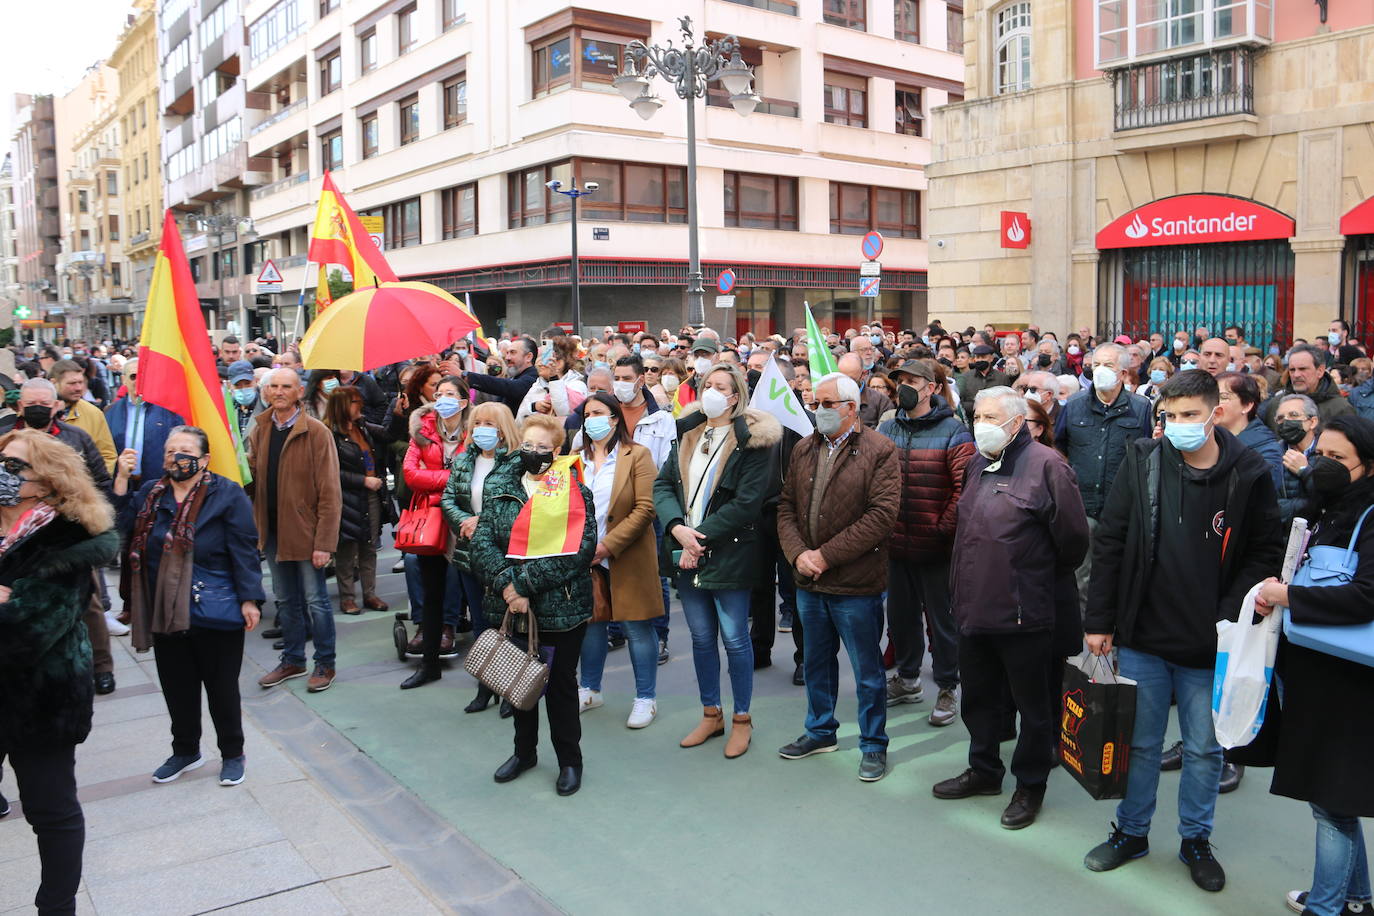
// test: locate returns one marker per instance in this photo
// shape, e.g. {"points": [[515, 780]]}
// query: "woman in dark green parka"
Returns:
{"points": [[556, 589]]}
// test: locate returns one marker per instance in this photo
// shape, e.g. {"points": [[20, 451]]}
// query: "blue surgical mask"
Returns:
{"points": [[447, 406], [485, 438], [598, 427], [601, 364], [1187, 366], [1186, 437], [1334, 338], [1230, 367], [876, 338], [1157, 376], [635, 349], [245, 397], [1274, 351], [329, 385]]}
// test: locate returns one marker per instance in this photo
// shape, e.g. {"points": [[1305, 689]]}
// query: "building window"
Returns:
{"points": [[197, 269], [954, 27], [906, 20], [331, 150], [331, 73], [455, 12], [455, 101], [116, 275], [599, 60], [273, 29], [405, 29], [114, 227], [632, 192], [145, 166], [367, 51], [909, 114], [178, 59], [846, 100], [760, 201], [410, 119], [1012, 47], [1127, 30], [213, 24], [553, 65], [327, 7], [532, 204], [83, 201], [402, 222], [855, 209], [848, 13], [460, 211], [371, 136]]}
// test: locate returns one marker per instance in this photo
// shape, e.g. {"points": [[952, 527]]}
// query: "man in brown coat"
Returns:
{"points": [[838, 508], [296, 504]]}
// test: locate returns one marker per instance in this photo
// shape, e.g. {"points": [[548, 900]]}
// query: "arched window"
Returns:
{"points": [[1012, 47]]}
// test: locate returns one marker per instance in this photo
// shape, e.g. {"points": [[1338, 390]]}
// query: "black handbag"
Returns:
{"points": [[214, 600]]}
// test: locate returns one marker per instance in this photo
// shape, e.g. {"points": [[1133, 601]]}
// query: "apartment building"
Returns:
{"points": [[9, 258], [37, 207], [447, 118], [1159, 166], [135, 58]]}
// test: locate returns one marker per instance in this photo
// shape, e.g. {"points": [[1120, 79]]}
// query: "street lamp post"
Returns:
{"points": [[217, 223], [86, 270], [689, 69], [573, 194]]}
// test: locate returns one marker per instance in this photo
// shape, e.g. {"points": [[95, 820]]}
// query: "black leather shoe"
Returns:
{"points": [[569, 780], [420, 678], [507, 710], [799, 677], [762, 660], [1024, 806], [966, 784], [1206, 871], [481, 701], [1172, 758], [104, 683], [279, 645], [513, 768], [272, 633], [1231, 774]]}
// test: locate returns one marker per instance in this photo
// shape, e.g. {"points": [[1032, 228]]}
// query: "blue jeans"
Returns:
{"points": [[643, 656], [470, 588], [661, 623], [1156, 682], [302, 589], [723, 611], [1341, 871], [857, 621], [453, 593]]}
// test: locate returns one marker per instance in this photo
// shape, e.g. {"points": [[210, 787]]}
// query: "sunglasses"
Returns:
{"points": [[15, 465], [831, 405]]}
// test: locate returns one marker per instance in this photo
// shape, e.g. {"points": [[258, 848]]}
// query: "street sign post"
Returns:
{"points": [[870, 269], [726, 283], [868, 287], [872, 244], [269, 278]]}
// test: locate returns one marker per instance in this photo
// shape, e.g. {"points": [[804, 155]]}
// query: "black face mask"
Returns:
{"points": [[184, 466], [493, 370], [535, 463], [1292, 431], [1330, 478], [907, 397], [1044, 360], [979, 365], [754, 375], [36, 417]]}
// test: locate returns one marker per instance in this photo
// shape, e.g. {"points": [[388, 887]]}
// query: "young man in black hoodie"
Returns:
{"points": [[1191, 523]]}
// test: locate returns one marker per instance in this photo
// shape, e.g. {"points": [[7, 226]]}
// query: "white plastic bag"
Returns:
{"points": [[1244, 668]]}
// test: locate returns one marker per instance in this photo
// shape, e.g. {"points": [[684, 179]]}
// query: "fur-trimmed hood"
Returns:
{"points": [[764, 430], [423, 422]]}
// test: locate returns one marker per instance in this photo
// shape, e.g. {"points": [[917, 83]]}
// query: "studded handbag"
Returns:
{"points": [[512, 673]]}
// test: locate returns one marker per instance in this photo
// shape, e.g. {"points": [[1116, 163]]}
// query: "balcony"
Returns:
{"points": [[288, 111], [719, 98], [1214, 84], [280, 185], [138, 239], [775, 6]]}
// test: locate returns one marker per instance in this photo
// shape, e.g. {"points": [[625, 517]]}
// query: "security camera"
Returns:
{"points": [[553, 185], [591, 186], [939, 243]]}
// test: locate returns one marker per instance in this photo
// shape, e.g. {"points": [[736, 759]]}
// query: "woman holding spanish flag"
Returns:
{"points": [[534, 543]]}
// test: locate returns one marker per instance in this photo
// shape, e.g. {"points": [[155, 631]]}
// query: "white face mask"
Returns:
{"points": [[1104, 378], [702, 365], [669, 382], [991, 438], [624, 391], [713, 403]]}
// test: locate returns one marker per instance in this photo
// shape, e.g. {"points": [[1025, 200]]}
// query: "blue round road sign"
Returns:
{"points": [[726, 281], [872, 245]]}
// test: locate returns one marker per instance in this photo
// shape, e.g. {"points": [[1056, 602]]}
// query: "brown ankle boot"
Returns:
{"points": [[712, 725], [741, 730]]}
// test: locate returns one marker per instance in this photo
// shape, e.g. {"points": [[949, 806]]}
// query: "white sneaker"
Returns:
{"points": [[642, 713], [114, 626], [588, 699]]}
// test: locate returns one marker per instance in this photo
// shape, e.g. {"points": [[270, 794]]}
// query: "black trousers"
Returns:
{"points": [[1022, 662], [560, 701], [202, 657], [47, 791], [433, 584]]}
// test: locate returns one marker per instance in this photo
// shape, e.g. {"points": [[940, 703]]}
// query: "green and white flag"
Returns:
{"points": [[817, 352], [775, 396]]}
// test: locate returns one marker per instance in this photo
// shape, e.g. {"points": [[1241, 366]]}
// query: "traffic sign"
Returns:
{"points": [[725, 302], [868, 287], [725, 282], [375, 226], [269, 278], [870, 269], [872, 244]]}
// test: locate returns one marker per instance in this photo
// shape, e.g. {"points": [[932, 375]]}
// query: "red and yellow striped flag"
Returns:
{"points": [[176, 366], [683, 395], [551, 521], [323, 299], [338, 237]]}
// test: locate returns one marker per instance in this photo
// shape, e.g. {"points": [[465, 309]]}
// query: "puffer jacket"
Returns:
{"points": [[1094, 437], [1362, 399], [559, 588], [457, 499], [854, 521], [932, 454], [425, 471], [355, 523], [1293, 494]]}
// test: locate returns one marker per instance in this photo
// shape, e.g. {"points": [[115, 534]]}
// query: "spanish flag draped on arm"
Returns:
{"points": [[338, 237], [551, 521], [176, 367]]}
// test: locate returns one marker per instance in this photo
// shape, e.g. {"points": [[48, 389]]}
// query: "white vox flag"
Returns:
{"points": [[775, 396]]}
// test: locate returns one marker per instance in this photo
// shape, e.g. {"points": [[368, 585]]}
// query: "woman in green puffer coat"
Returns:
{"points": [[556, 589]]}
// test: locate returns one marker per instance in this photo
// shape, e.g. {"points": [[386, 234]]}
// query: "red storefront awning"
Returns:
{"points": [[1191, 219], [1359, 221]]}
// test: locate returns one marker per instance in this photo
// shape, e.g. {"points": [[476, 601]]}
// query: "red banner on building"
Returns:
{"points": [[1359, 221], [1192, 219]]}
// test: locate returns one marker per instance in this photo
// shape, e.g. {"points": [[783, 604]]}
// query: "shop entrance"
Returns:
{"points": [[1359, 287]]}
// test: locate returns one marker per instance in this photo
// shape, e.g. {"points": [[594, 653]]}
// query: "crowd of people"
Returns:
{"points": [[1006, 499]]}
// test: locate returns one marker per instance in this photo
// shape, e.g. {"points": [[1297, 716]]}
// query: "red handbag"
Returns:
{"points": [[422, 530]]}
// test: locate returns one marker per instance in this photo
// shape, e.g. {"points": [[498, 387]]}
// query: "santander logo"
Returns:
{"points": [[1016, 229], [1195, 219], [1014, 232], [1137, 229]]}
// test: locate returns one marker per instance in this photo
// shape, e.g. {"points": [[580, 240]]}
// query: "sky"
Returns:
{"points": [[46, 45]]}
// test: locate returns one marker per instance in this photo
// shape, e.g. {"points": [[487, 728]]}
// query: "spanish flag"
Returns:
{"points": [[338, 237], [551, 521], [176, 367], [683, 395], [323, 299]]}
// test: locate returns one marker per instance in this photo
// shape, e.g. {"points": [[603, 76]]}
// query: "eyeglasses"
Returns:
{"points": [[831, 405], [15, 465]]}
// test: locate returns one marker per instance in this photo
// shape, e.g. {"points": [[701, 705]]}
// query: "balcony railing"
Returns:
{"points": [[293, 260], [285, 113], [139, 238], [719, 98], [1179, 89], [777, 6], [280, 185]]}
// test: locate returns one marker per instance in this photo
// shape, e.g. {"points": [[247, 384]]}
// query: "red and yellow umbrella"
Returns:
{"points": [[386, 324]]}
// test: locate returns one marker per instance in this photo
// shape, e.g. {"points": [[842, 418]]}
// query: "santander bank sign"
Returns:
{"points": [[1191, 219]]}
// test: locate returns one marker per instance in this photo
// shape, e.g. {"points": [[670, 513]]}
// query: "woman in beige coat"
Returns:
{"points": [[620, 473]]}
